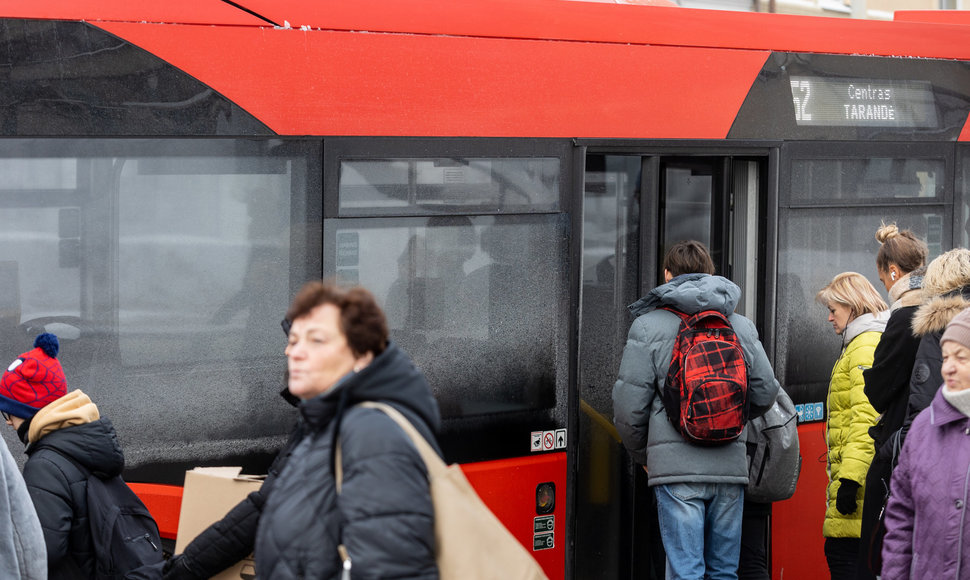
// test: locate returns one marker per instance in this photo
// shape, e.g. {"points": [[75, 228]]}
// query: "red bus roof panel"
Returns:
{"points": [[637, 24], [340, 83], [911, 35]]}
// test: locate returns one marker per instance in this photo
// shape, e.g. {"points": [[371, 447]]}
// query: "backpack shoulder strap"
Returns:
{"points": [[682, 315]]}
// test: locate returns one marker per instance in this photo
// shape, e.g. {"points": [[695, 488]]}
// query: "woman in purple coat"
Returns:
{"points": [[927, 528]]}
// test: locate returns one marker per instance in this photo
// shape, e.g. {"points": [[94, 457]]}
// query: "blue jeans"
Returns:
{"points": [[700, 524]]}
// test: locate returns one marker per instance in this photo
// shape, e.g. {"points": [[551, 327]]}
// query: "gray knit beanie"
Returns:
{"points": [[958, 330]]}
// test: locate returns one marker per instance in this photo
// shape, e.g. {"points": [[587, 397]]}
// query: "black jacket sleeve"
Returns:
{"points": [[888, 378], [232, 538]]}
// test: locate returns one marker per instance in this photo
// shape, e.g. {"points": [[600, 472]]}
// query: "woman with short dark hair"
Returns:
{"points": [[339, 355]]}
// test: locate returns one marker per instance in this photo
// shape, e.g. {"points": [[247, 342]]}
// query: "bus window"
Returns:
{"points": [[818, 180], [476, 301], [839, 195], [34, 191], [417, 186], [816, 245], [165, 267]]}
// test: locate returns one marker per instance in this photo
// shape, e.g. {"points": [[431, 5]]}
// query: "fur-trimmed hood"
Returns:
{"points": [[938, 312]]}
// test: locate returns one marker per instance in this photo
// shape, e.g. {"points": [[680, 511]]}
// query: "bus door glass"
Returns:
{"points": [[634, 207], [715, 200]]}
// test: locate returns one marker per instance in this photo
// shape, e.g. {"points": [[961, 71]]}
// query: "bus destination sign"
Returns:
{"points": [[841, 102]]}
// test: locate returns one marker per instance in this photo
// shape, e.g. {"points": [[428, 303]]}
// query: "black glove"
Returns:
{"points": [[845, 498]]}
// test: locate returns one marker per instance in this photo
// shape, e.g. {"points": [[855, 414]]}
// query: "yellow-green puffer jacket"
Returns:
{"points": [[850, 448]]}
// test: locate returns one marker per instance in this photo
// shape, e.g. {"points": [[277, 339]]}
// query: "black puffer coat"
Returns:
{"points": [[929, 323], [384, 511], [58, 487]]}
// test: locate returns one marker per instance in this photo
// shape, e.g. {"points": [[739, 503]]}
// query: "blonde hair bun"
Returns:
{"points": [[886, 232]]}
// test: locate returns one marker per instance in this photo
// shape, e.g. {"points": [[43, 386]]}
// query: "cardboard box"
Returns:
{"points": [[208, 495]]}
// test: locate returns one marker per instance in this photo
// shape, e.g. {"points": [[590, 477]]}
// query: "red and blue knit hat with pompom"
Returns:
{"points": [[33, 380]]}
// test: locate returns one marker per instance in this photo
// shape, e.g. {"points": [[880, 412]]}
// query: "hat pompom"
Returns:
{"points": [[48, 343]]}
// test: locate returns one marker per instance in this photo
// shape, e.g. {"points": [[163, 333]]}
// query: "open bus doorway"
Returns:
{"points": [[635, 206]]}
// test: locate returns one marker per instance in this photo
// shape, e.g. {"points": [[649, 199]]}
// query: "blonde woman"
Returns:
{"points": [[858, 314]]}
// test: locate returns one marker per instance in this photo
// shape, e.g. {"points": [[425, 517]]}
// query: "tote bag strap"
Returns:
{"points": [[428, 454], [431, 459], [463, 523]]}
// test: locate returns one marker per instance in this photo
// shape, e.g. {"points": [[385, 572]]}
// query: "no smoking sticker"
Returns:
{"points": [[547, 440]]}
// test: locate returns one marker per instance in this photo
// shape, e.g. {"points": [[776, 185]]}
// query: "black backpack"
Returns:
{"points": [[124, 535]]}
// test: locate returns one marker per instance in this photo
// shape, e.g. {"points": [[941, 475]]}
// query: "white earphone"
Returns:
{"points": [[892, 275]]}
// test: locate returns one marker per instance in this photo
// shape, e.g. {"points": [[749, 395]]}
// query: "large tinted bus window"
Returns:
{"points": [[817, 244], [476, 300], [165, 268], [839, 194]]}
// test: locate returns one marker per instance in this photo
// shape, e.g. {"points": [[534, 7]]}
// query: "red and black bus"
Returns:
{"points": [[504, 175]]}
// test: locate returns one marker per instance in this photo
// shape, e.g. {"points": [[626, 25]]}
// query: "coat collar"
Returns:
{"points": [[865, 323], [942, 412]]}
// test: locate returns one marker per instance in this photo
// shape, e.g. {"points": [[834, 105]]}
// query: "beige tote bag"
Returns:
{"points": [[471, 543]]}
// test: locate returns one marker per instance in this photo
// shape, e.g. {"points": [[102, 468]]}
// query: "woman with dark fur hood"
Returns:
{"points": [[946, 291]]}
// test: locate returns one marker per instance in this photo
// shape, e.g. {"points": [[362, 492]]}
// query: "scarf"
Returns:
{"points": [[959, 399]]}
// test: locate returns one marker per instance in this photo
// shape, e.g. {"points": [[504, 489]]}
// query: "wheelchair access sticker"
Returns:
{"points": [[548, 440]]}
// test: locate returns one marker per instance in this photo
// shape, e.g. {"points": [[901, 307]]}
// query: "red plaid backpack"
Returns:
{"points": [[706, 391]]}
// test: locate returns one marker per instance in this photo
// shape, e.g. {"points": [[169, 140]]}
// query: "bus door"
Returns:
{"points": [[635, 207]]}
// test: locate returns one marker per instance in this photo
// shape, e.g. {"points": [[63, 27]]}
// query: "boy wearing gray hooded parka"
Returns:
{"points": [[639, 415]]}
